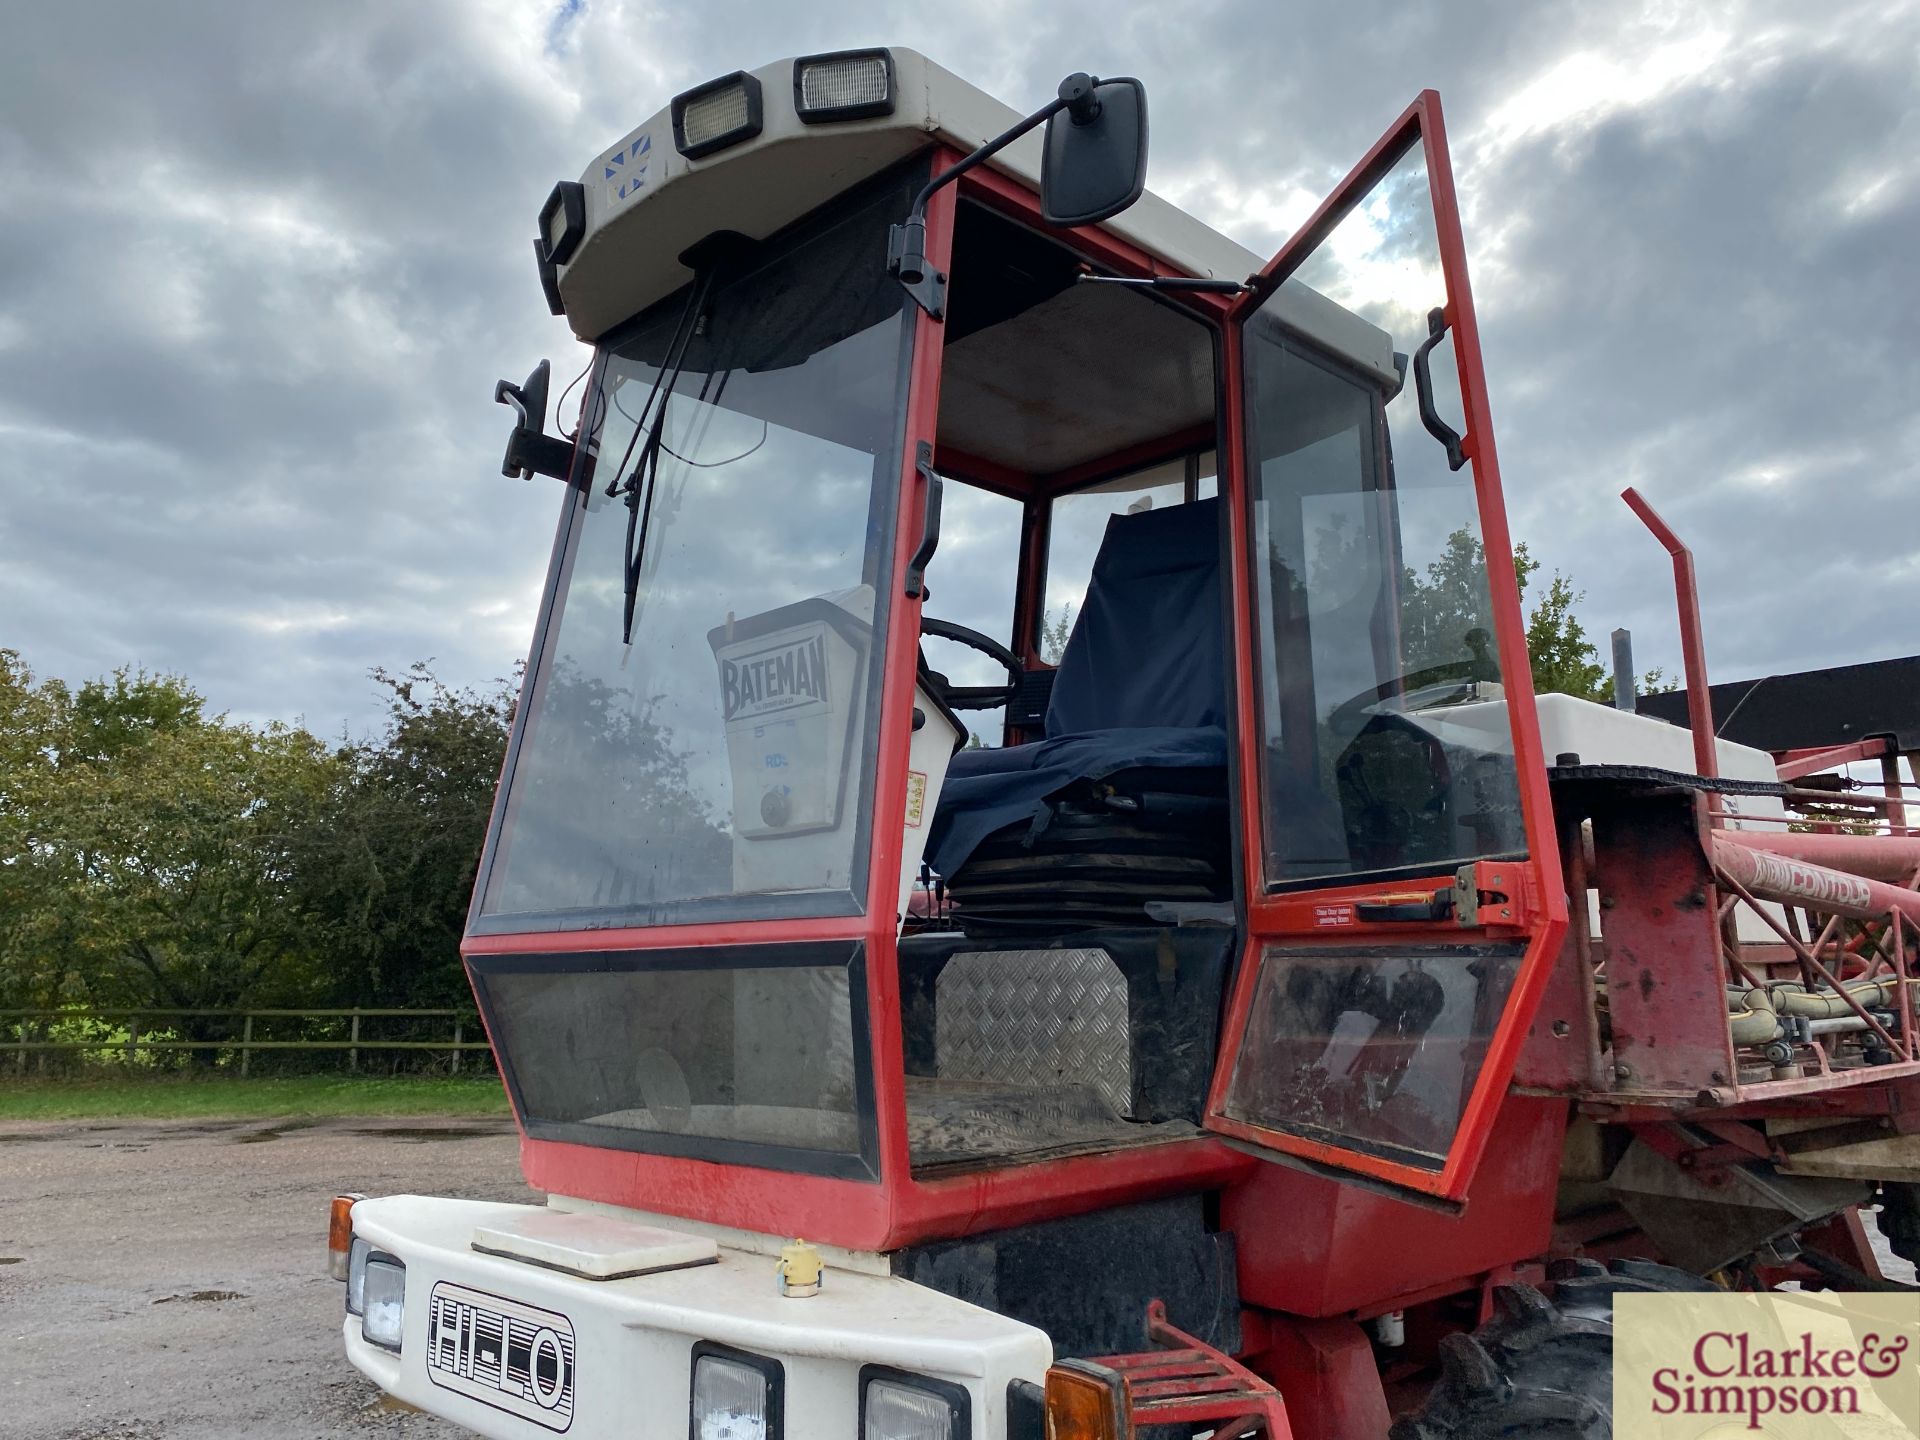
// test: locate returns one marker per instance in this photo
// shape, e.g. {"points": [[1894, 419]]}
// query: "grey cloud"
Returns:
{"points": [[260, 265]]}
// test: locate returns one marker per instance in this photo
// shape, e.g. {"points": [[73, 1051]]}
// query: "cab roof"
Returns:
{"points": [[645, 203]]}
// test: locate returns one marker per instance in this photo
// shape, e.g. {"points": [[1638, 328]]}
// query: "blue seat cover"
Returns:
{"points": [[1142, 684]]}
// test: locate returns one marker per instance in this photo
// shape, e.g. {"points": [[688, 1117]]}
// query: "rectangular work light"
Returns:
{"points": [[896, 1405], [846, 85], [717, 114], [563, 221], [736, 1396]]}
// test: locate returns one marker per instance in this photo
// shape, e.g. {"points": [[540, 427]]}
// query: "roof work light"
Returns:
{"points": [[845, 85], [717, 114]]}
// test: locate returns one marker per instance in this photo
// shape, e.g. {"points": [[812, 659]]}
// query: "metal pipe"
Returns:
{"points": [[1693, 650], [1892, 858], [1852, 1023], [1801, 882], [1625, 696], [1577, 859], [1890, 779]]}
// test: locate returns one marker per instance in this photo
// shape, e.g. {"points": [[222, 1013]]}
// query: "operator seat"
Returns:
{"points": [[1124, 802]]}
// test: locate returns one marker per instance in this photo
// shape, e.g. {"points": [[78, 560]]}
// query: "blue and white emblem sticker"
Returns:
{"points": [[504, 1353], [625, 170]]}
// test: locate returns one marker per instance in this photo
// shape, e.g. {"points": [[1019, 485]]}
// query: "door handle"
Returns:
{"points": [[1405, 909], [929, 522], [1423, 391]]}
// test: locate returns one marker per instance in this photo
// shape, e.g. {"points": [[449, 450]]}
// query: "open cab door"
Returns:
{"points": [[1403, 881]]}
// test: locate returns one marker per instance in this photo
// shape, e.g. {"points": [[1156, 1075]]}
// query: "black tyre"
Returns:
{"points": [[1540, 1369], [1899, 1218]]}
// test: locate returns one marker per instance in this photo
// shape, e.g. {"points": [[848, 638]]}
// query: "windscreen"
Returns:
{"points": [[1386, 743], [699, 738]]}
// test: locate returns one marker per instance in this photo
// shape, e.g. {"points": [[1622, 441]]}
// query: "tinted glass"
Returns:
{"points": [[1375, 1049], [1387, 743], [681, 1053], [716, 763]]}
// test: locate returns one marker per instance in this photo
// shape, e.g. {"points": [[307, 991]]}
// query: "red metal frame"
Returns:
{"points": [[1693, 645], [1796, 764], [900, 1209], [1276, 918], [1185, 1381]]}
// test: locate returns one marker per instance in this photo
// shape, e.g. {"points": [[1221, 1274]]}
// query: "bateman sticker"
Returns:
{"points": [[784, 676]]}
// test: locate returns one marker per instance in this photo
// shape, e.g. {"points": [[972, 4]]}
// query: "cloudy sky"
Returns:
{"points": [[260, 266]]}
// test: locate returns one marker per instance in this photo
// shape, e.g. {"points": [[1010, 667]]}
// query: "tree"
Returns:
{"points": [[1443, 607], [1054, 633], [1563, 659], [35, 957], [146, 847], [383, 873]]}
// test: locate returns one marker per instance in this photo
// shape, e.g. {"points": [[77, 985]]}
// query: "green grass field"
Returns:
{"points": [[211, 1098]]}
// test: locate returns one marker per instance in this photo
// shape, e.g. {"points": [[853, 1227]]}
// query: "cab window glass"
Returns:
{"points": [[1078, 522], [972, 582]]}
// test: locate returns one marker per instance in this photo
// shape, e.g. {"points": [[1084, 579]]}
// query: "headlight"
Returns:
{"points": [[897, 1406], [385, 1295], [736, 1396], [357, 1255]]}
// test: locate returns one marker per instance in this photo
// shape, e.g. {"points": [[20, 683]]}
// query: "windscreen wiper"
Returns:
{"points": [[638, 485]]}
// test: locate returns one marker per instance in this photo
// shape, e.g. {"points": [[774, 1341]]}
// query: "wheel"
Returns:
{"points": [[1540, 1369], [1899, 1218]]}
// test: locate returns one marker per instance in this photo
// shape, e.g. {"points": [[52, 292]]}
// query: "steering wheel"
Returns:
{"points": [[974, 697], [1440, 680]]}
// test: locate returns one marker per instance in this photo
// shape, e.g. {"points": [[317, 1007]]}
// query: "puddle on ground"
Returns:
{"points": [[422, 1135], [27, 1138], [273, 1132], [11, 1259], [202, 1295]]}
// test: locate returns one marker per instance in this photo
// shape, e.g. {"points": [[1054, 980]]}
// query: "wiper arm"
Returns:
{"points": [[640, 489], [638, 485]]}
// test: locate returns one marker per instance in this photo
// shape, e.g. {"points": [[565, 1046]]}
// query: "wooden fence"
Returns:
{"points": [[23, 1023]]}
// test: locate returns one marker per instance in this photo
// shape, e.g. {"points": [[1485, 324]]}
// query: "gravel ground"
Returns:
{"points": [[168, 1279]]}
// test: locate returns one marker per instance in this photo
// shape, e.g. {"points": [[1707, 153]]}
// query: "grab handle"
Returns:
{"points": [[1423, 390]]}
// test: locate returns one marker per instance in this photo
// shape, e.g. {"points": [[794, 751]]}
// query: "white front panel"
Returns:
{"points": [[630, 1366]]}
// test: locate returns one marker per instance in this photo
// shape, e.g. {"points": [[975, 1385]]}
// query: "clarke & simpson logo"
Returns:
{"points": [[1783, 1365]]}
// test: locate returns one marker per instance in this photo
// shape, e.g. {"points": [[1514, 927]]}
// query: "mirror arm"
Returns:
{"points": [[907, 242]]}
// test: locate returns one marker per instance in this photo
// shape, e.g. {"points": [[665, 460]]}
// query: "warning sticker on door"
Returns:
{"points": [[916, 798]]}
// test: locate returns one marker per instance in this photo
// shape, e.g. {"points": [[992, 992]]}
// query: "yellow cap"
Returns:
{"points": [[799, 1269]]}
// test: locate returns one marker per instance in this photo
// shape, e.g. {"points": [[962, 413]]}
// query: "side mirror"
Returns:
{"points": [[530, 450], [1094, 163]]}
